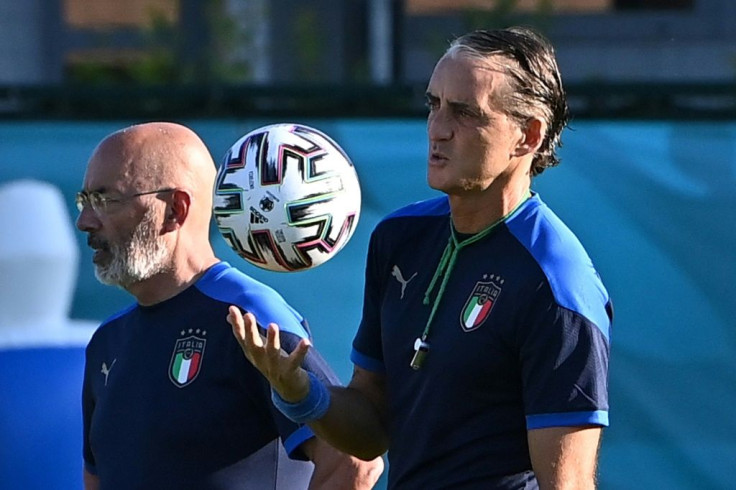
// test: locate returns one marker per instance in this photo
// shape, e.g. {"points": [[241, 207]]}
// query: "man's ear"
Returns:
{"points": [[177, 210], [532, 135]]}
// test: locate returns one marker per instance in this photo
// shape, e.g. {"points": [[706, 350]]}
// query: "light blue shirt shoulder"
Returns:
{"points": [[229, 285], [569, 270]]}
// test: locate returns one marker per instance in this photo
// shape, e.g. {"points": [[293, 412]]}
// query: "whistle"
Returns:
{"points": [[421, 349]]}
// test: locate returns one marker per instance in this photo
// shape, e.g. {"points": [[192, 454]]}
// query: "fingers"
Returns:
{"points": [[282, 370], [300, 352], [272, 336], [252, 335], [245, 328], [235, 319], [256, 346]]}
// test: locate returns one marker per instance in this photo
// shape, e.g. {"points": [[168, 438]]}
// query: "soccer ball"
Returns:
{"points": [[287, 197]]}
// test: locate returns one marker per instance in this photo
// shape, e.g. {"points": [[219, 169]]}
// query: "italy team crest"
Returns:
{"points": [[186, 360], [479, 304]]}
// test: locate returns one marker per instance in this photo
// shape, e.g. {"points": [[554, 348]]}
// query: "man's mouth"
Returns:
{"points": [[436, 158], [99, 247]]}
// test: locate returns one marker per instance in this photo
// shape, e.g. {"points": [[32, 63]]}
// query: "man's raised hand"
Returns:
{"points": [[282, 370]]}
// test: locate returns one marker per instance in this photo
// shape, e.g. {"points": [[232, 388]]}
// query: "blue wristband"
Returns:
{"points": [[314, 406]]}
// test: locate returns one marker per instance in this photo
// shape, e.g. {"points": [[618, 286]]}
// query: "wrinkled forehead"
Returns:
{"points": [[114, 166], [475, 64], [459, 75]]}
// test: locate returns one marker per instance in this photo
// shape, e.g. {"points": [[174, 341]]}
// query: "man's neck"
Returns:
{"points": [[169, 283], [474, 212]]}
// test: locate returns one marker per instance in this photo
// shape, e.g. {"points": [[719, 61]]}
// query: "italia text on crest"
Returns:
{"points": [[186, 360], [479, 304]]}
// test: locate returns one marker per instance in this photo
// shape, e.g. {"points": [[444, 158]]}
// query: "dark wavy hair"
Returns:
{"points": [[534, 79]]}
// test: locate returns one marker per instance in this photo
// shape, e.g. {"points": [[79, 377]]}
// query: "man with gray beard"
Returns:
{"points": [[168, 399], [136, 260]]}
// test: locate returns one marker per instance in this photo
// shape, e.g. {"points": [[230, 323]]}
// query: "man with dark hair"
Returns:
{"points": [[481, 360]]}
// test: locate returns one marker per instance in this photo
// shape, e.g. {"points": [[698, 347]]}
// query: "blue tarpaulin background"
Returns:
{"points": [[653, 202]]}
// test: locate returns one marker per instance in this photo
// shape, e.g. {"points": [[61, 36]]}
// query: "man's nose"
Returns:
{"points": [[439, 126], [88, 220]]}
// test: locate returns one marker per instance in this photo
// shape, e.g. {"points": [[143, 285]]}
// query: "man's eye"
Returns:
{"points": [[431, 104], [100, 200]]}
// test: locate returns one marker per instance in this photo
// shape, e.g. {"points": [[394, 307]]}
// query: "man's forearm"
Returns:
{"points": [[353, 424]]}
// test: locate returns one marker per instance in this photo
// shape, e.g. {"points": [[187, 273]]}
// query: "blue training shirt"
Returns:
{"points": [[170, 401], [520, 341]]}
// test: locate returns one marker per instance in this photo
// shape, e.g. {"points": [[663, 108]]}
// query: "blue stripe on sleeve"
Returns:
{"points": [[567, 419], [367, 363]]}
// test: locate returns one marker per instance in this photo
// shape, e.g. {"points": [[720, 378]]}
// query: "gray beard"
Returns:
{"points": [[140, 258]]}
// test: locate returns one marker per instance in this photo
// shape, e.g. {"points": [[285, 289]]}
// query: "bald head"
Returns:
{"points": [[152, 233], [160, 154]]}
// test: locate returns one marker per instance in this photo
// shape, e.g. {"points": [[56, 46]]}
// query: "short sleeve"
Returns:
{"points": [[564, 358], [367, 350]]}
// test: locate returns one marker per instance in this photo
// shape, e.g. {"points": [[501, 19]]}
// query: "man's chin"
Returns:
{"points": [[106, 277], [434, 183]]}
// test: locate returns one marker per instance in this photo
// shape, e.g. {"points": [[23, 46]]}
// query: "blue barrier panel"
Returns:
{"points": [[41, 418]]}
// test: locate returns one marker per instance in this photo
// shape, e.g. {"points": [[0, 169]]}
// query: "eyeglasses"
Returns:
{"points": [[99, 202]]}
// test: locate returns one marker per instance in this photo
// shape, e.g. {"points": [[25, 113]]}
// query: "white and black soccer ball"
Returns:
{"points": [[287, 197]]}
